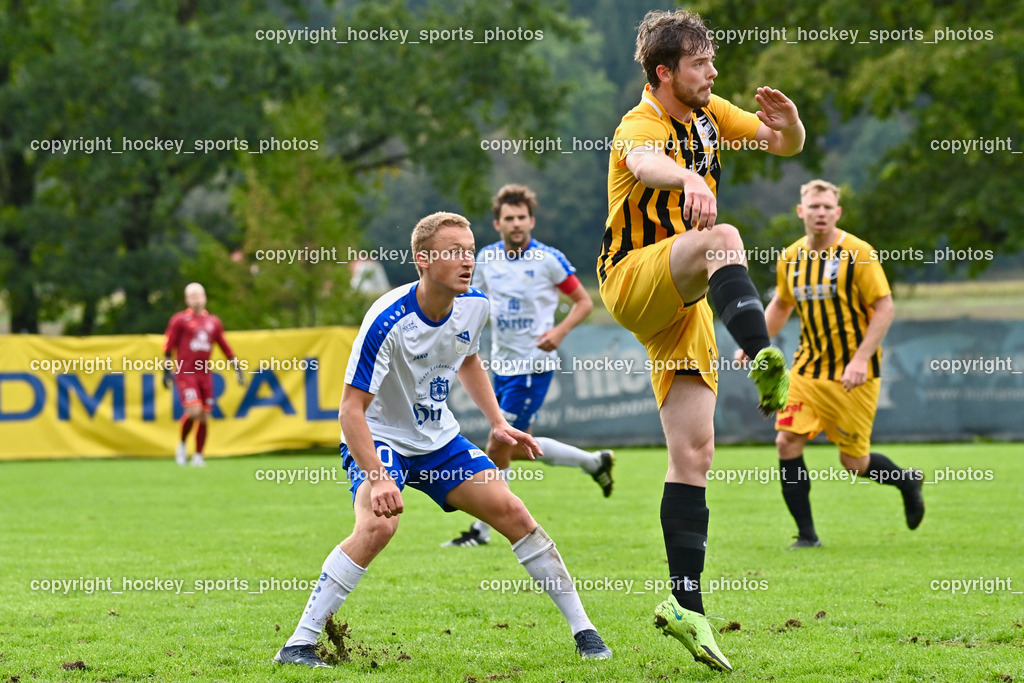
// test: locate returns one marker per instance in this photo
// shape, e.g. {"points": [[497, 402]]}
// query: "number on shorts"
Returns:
{"points": [[381, 450]]}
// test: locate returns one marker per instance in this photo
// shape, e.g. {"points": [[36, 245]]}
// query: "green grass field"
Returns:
{"points": [[861, 608]]}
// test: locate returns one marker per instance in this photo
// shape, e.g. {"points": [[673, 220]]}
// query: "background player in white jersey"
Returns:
{"points": [[522, 278], [398, 430]]}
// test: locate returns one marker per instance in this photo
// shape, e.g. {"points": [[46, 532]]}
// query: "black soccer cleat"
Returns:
{"points": [[804, 542], [304, 655], [468, 539], [590, 646], [603, 475], [913, 501]]}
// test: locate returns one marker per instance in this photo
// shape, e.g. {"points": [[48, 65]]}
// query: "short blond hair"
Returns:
{"points": [[819, 185], [428, 226]]}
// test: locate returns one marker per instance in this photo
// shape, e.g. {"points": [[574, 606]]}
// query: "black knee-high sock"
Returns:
{"points": [[739, 306], [796, 490], [885, 471], [684, 523]]}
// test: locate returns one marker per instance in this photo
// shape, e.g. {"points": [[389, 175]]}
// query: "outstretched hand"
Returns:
{"points": [[777, 110]]}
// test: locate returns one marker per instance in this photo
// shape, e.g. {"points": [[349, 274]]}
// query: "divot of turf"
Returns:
{"points": [[335, 635]]}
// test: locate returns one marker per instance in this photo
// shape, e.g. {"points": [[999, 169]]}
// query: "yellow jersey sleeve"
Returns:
{"points": [[870, 279], [733, 123], [783, 286], [638, 129]]}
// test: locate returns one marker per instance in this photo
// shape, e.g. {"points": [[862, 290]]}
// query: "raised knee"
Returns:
{"points": [[726, 236]]}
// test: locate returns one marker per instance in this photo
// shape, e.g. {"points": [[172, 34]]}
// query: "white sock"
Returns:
{"points": [[338, 578], [536, 552], [558, 453]]}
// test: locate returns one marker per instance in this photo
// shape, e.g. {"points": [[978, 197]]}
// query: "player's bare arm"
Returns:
{"points": [[856, 371], [582, 305], [780, 127], [474, 379], [657, 170], [385, 498], [776, 315]]}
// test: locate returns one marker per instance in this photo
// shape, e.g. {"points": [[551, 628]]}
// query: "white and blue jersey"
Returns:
{"points": [[409, 363], [523, 291]]}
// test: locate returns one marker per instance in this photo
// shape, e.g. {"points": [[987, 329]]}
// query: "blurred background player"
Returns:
{"points": [[839, 290], [522, 278], [413, 343], [663, 256], [192, 334]]}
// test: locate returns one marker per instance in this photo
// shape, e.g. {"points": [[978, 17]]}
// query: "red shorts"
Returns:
{"points": [[195, 389]]}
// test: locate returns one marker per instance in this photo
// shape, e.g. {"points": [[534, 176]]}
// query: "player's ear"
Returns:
{"points": [[839, 212], [800, 210], [664, 73], [422, 258]]}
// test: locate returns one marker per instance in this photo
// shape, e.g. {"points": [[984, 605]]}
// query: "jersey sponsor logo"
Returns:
{"points": [[832, 269], [513, 305], [200, 342], [439, 388], [505, 323], [462, 340], [420, 356], [741, 304], [815, 292], [424, 413]]}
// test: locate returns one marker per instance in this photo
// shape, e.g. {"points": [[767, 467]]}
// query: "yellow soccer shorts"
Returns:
{"points": [[680, 339], [847, 417]]}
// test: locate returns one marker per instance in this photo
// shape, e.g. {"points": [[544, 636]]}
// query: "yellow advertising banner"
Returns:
{"points": [[103, 396]]}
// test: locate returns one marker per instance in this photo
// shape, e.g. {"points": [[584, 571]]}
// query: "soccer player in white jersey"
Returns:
{"points": [[397, 430], [522, 278]]}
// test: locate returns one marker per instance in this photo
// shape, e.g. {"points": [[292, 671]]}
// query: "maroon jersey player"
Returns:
{"points": [[192, 333]]}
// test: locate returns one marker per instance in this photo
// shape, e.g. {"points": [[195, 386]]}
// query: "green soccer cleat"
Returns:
{"points": [[693, 631], [772, 379]]}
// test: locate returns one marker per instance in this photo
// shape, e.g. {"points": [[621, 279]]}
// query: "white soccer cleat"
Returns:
{"points": [[181, 455], [197, 460]]}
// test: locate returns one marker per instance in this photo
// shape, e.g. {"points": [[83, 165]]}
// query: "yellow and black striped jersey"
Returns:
{"points": [[832, 291], [639, 215]]}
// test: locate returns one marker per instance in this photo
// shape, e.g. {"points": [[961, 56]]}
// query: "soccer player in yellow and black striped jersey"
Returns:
{"points": [[663, 253], [835, 283]]}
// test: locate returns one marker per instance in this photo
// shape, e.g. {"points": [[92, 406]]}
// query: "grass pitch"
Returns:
{"points": [[124, 570]]}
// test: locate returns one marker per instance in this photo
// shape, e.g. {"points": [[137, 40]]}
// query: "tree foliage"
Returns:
{"points": [[954, 73], [78, 228]]}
